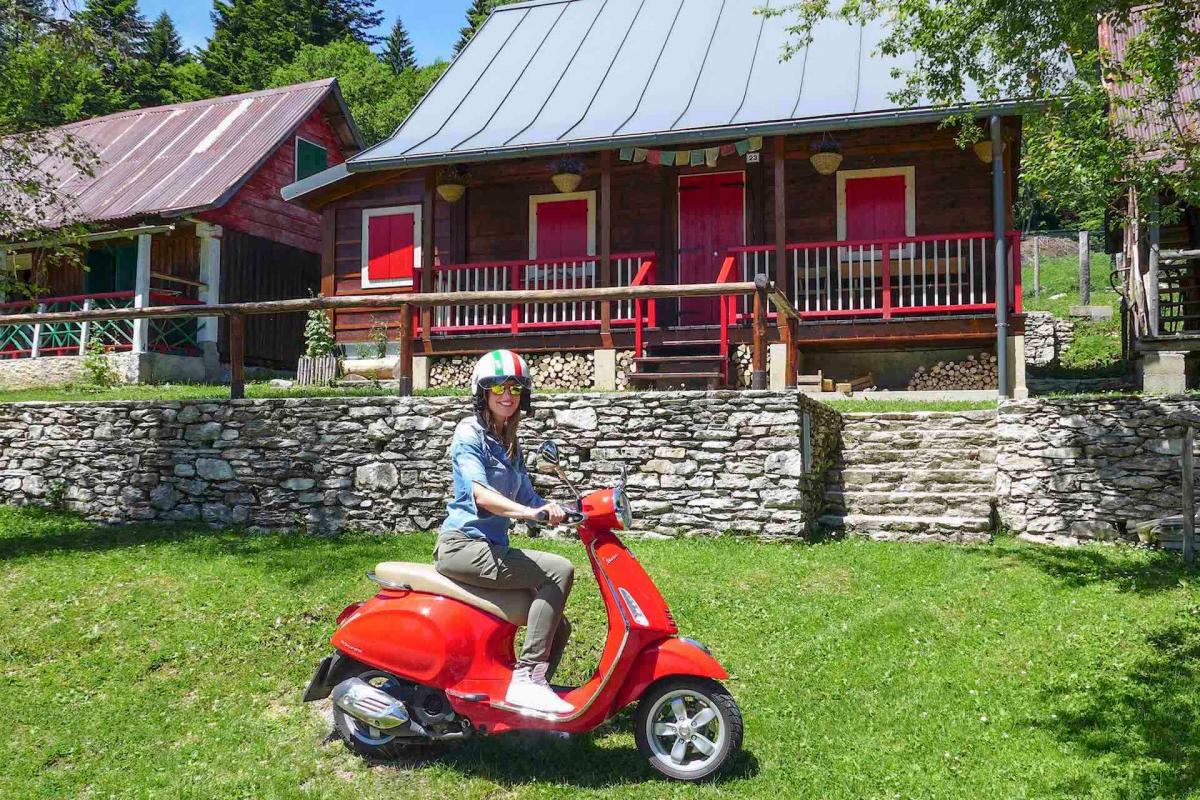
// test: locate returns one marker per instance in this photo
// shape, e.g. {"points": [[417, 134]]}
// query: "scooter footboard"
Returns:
{"points": [[671, 656]]}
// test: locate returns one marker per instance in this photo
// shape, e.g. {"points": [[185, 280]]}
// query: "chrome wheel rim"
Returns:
{"points": [[360, 730], [685, 731]]}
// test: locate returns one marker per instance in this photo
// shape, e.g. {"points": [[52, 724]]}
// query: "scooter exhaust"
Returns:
{"points": [[373, 706]]}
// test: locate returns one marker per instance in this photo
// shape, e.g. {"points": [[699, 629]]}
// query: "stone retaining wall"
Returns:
{"points": [[1046, 338], [22, 373], [699, 462], [1088, 468]]}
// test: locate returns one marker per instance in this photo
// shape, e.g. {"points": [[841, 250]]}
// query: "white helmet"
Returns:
{"points": [[499, 366]]}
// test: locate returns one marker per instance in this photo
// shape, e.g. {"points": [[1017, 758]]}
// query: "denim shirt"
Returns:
{"points": [[476, 456]]}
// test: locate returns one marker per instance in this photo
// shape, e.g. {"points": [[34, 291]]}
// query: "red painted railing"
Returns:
{"points": [[582, 272], [915, 275], [728, 306], [33, 340]]}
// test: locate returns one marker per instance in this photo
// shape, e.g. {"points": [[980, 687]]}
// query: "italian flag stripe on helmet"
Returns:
{"points": [[506, 363]]}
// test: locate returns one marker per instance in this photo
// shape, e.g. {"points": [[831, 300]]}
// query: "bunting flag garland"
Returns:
{"points": [[706, 156]]}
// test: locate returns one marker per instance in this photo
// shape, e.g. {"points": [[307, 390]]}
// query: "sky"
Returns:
{"points": [[432, 24]]}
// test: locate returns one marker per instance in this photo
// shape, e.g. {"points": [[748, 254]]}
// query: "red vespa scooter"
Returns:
{"points": [[428, 658]]}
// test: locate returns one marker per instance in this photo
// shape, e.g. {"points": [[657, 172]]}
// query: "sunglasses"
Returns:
{"points": [[516, 390]]}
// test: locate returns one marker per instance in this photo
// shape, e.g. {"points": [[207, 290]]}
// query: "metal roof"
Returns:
{"points": [[556, 75], [175, 159], [1150, 128]]}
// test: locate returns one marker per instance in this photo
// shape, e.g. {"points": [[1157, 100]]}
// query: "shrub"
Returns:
{"points": [[318, 335]]}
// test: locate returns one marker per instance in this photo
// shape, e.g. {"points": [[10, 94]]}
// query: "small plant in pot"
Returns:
{"points": [[566, 172], [452, 183]]}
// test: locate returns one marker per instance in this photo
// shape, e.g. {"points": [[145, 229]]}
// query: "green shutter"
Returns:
{"points": [[310, 159]]}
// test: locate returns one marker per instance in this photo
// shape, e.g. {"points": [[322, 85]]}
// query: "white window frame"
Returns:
{"points": [[296, 155], [365, 249], [536, 200]]}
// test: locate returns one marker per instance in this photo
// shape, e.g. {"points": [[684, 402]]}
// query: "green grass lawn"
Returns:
{"points": [[196, 391], [1096, 349], [169, 662]]}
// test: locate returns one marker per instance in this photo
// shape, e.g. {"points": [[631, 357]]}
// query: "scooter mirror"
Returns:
{"points": [[548, 451]]}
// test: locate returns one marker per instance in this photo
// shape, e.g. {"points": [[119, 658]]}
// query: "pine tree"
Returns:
{"points": [[251, 38], [477, 14], [398, 52], [119, 23], [163, 45]]}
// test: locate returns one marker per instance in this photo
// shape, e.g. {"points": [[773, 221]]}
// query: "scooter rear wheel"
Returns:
{"points": [[687, 728], [367, 741]]}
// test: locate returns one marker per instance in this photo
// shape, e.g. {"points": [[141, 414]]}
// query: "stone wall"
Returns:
{"points": [[21, 373], [1088, 468], [1046, 338], [698, 462]]}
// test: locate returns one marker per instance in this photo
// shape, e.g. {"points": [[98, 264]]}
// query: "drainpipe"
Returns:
{"points": [[998, 231]]}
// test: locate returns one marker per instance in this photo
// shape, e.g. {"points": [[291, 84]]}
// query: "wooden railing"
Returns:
{"points": [[69, 338], [915, 275], [630, 269]]}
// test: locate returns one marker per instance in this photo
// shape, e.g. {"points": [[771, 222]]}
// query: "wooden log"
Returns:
{"points": [[404, 362], [237, 357], [758, 374], [418, 300]]}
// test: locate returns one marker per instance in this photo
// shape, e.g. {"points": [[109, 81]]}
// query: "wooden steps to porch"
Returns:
{"points": [[681, 364]]}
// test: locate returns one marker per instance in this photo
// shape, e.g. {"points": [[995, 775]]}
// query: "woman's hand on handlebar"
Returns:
{"points": [[551, 513]]}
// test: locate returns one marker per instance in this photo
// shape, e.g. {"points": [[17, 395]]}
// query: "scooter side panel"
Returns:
{"points": [[671, 656], [427, 638]]}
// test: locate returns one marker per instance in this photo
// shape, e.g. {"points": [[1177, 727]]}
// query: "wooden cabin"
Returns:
{"points": [[184, 207], [696, 151], [1159, 259]]}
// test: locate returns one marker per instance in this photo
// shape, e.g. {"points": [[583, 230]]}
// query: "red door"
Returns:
{"points": [[711, 219], [875, 208]]}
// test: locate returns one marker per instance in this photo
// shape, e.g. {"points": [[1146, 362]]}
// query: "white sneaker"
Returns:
{"points": [[529, 689]]}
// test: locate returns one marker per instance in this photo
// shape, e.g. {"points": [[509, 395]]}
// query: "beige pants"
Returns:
{"points": [[549, 577]]}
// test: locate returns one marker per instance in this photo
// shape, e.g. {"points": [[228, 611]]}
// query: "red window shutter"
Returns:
{"points": [[562, 229], [875, 208], [390, 247]]}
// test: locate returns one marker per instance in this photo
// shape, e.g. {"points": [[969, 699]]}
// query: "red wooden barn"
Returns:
{"points": [[184, 206], [700, 157]]}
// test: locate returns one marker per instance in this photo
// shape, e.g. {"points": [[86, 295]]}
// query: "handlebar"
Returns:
{"points": [[573, 517]]}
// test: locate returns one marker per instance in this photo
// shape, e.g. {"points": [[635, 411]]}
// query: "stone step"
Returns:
{"points": [[910, 528], [925, 504], [903, 478], [902, 418], [921, 436], [917, 458]]}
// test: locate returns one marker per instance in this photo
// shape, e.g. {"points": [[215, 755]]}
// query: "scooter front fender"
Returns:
{"points": [[671, 656]]}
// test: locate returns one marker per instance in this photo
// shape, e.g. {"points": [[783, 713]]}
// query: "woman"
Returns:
{"points": [[491, 488]]}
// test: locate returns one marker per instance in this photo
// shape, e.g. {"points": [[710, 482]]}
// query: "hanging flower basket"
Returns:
{"points": [[566, 181], [827, 156], [451, 192], [567, 173], [452, 183]]}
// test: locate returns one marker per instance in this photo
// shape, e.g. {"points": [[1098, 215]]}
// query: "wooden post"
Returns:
{"points": [[403, 371], [1153, 294], [606, 244], [758, 358], [85, 329], [1189, 501], [36, 347], [1085, 270], [237, 356], [782, 277], [141, 293], [1037, 265], [428, 232]]}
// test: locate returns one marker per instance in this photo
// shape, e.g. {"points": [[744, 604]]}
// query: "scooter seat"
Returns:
{"points": [[509, 604]]}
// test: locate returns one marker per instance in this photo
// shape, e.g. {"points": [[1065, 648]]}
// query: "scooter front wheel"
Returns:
{"points": [[687, 728]]}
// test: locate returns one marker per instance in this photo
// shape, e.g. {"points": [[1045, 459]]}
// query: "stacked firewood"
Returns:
{"points": [[561, 370], [624, 368], [975, 372]]}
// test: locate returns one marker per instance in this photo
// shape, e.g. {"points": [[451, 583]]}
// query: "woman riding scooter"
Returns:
{"points": [[492, 488]]}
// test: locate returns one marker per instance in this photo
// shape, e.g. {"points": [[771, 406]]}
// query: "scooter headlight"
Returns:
{"points": [[623, 508]]}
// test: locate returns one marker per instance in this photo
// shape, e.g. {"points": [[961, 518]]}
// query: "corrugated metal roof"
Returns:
{"points": [[1149, 128], [186, 157], [555, 75]]}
